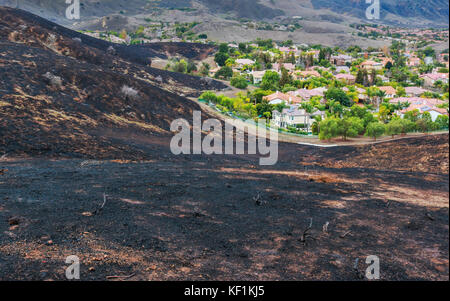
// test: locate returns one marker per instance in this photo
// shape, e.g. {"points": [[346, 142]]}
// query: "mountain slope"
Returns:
{"points": [[66, 97], [23, 27], [431, 10]]}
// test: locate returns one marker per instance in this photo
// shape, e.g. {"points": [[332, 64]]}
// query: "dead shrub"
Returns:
{"points": [[53, 80], [129, 92]]}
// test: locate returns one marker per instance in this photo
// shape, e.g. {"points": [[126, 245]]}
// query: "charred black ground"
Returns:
{"points": [[223, 218], [168, 217]]}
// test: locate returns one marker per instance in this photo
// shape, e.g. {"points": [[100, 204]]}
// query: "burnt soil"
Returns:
{"points": [[22, 27], [200, 217]]}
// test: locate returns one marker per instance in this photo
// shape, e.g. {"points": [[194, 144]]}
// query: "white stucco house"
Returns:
{"points": [[294, 117]]}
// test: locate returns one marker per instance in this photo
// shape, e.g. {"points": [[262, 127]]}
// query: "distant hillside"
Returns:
{"points": [[408, 12], [243, 8], [431, 10]]}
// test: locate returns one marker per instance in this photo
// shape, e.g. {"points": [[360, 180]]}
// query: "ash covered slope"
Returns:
{"points": [[140, 54], [60, 97], [23, 27]]}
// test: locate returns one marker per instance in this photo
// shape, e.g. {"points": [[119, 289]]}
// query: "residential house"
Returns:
{"points": [[369, 65], [428, 60], [317, 68], [434, 111], [306, 94], [288, 66], [287, 50], [390, 91], [422, 104], [294, 117], [362, 96], [244, 62], [349, 79], [431, 78], [414, 91], [278, 98], [443, 57], [432, 102], [213, 71], [257, 76], [341, 60], [314, 53], [383, 78], [342, 69], [413, 62], [303, 75]]}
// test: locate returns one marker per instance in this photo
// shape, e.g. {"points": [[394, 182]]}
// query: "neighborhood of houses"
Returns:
{"points": [[299, 84]]}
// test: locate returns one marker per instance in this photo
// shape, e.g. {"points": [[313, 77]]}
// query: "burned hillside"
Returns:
{"points": [[61, 91], [21, 27], [55, 104]]}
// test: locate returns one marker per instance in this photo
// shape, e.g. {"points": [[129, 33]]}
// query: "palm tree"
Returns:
{"points": [[380, 96], [316, 123], [372, 93]]}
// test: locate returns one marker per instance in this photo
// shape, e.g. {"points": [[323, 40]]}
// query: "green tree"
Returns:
{"points": [[350, 127], [429, 51], [180, 66], [257, 95], [223, 48], [328, 128], [264, 107], [375, 130], [388, 65], [204, 69], [286, 78], [225, 72], [270, 81], [315, 128], [362, 113], [394, 127], [220, 58], [360, 77], [340, 96], [412, 115], [425, 123], [243, 47], [407, 126], [401, 92], [239, 82], [191, 67], [442, 122], [422, 125]]}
